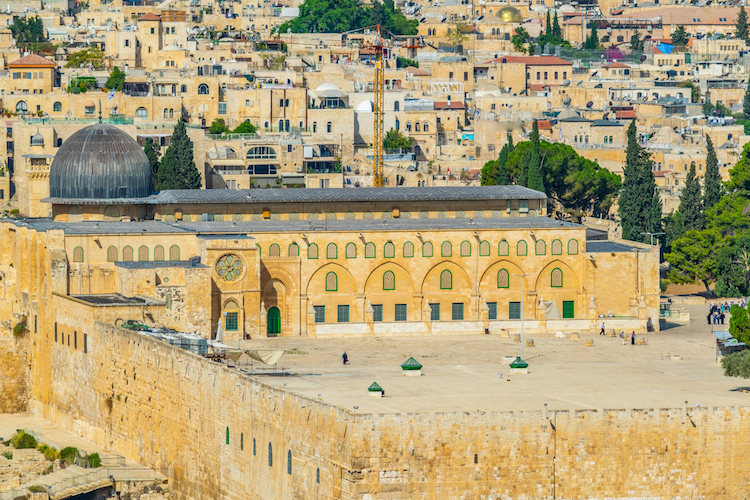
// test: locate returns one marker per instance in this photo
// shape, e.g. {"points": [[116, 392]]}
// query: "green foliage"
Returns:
{"points": [[692, 259], [691, 202], [458, 33], [673, 228], [663, 284], [741, 24], [245, 128], [151, 149], [177, 169], [739, 175], [716, 109], [8, 455], [695, 90], [218, 127], [739, 324], [23, 441], [95, 461], [396, 140], [636, 42], [592, 39], [116, 80], [746, 105], [640, 206], [736, 364], [81, 84], [712, 178], [83, 58], [404, 62], [68, 453], [20, 329], [556, 29], [49, 452], [37, 489], [337, 16], [534, 179], [387, 15], [27, 30], [733, 266], [552, 34], [680, 37], [494, 172], [520, 37]]}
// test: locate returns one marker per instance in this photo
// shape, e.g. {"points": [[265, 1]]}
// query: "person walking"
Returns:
{"points": [[345, 358], [622, 338], [602, 332], [632, 339], [721, 318], [708, 318]]}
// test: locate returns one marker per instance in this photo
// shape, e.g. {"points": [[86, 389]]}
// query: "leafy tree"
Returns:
{"points": [[692, 258], [245, 128], [534, 180], [152, 153], [680, 37], [386, 14], [741, 25], [746, 104], [733, 266], [695, 90], [403, 62], [736, 364], [27, 31], [613, 53], [177, 169], [494, 172], [739, 324], [636, 43], [116, 80], [556, 29], [396, 140], [674, 229], [218, 127], [592, 39], [640, 207], [691, 202], [337, 16], [458, 33], [519, 38], [83, 58], [712, 179]]}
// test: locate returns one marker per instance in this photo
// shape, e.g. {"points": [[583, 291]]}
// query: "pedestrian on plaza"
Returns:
{"points": [[602, 332], [345, 358], [622, 338], [722, 318], [708, 318], [632, 339]]}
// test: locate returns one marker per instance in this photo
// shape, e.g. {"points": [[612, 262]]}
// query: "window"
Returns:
{"points": [[289, 462], [329, 127], [395, 106], [400, 312], [254, 448], [557, 247], [538, 75], [417, 126], [343, 314], [408, 249], [466, 76], [545, 75], [317, 475], [573, 247], [457, 311], [446, 280], [202, 89], [555, 75], [242, 441], [389, 250], [370, 250], [389, 280], [521, 248], [367, 216], [57, 106], [484, 248], [492, 312], [85, 342], [270, 455], [424, 215], [565, 75], [261, 153], [315, 127], [514, 310], [503, 248], [227, 436], [569, 309], [127, 254], [183, 88], [274, 250], [222, 108], [541, 247], [351, 251], [445, 249], [159, 253], [377, 312], [556, 278], [332, 251], [78, 254], [465, 249], [143, 254], [142, 113], [312, 251], [460, 214], [320, 314], [174, 252], [427, 249], [332, 282], [503, 278], [408, 126]]}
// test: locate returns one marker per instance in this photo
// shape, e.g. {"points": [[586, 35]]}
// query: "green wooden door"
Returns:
{"points": [[274, 321]]}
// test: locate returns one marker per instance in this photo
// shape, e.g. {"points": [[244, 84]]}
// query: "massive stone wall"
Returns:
{"points": [[13, 372]]}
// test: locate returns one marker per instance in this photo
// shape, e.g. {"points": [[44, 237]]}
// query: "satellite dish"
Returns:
{"points": [[566, 83], [590, 104], [566, 101]]}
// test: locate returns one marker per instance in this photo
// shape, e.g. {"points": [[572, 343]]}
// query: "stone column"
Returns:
{"points": [[642, 308], [593, 315], [303, 315], [311, 321], [476, 313], [361, 318], [427, 317], [369, 315], [417, 302], [541, 312], [485, 313], [263, 327]]}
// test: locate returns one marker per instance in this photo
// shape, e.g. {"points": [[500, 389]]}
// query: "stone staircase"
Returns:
{"points": [[65, 483]]}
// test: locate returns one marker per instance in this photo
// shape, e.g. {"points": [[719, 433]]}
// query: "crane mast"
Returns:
{"points": [[379, 87]]}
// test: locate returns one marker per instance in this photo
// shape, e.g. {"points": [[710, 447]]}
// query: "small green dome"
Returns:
{"points": [[519, 363], [375, 387], [411, 364]]}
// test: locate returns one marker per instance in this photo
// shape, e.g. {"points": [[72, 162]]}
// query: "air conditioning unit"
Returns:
{"points": [[299, 170]]}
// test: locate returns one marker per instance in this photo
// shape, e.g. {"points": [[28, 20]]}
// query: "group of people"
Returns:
{"points": [[623, 336], [717, 313]]}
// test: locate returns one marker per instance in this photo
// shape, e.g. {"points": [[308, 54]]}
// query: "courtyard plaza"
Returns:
{"points": [[461, 372]]}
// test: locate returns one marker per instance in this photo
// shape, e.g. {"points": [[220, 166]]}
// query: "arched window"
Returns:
{"points": [[446, 280], [332, 252], [270, 455], [218, 217], [202, 89], [503, 278], [127, 254], [478, 214], [538, 75], [159, 253], [143, 254], [349, 216], [242, 441], [332, 282], [289, 462], [556, 247], [329, 127], [261, 153], [78, 254], [405, 215], [254, 448], [565, 75], [497, 213], [142, 113], [503, 249], [171, 113], [166, 113], [465, 249], [395, 106], [417, 126], [521, 248], [541, 247], [22, 107], [427, 249], [112, 254], [312, 251], [57, 106], [367, 215], [111, 213], [484, 249], [424, 215], [408, 126], [389, 250], [610, 140], [389, 280], [556, 278], [317, 475], [312, 216], [408, 249], [446, 250], [398, 124], [370, 250], [174, 252], [460, 214], [293, 250], [573, 247], [183, 88], [331, 216], [386, 215], [351, 251], [426, 127], [274, 250], [293, 216], [227, 437]]}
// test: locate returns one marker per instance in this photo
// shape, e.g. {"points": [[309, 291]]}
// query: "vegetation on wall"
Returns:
{"points": [[396, 140], [83, 58], [116, 80]]}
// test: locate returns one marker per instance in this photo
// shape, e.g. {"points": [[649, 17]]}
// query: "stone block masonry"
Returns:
{"points": [[13, 372], [223, 435]]}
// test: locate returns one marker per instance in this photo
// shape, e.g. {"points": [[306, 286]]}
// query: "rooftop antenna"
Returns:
{"points": [[100, 110]]}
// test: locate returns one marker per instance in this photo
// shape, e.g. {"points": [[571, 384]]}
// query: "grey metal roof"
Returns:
{"points": [[606, 123], [610, 246], [327, 195], [160, 264]]}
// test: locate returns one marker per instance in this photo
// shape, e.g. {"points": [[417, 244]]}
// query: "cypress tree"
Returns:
{"points": [[177, 169], [746, 104], [548, 27], [152, 153], [712, 179], [639, 206], [592, 41], [556, 29], [690, 202], [503, 177], [534, 179], [741, 24]]}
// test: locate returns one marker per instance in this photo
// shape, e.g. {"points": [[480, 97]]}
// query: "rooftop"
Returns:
{"points": [[32, 60]]}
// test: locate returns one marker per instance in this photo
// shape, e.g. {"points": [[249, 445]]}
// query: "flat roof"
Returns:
{"points": [[111, 299]]}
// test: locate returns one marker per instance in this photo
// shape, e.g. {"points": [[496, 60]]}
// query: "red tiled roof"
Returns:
{"points": [[624, 115], [32, 60], [452, 105], [616, 65], [417, 71], [534, 60], [149, 17], [540, 88], [659, 173], [544, 125]]}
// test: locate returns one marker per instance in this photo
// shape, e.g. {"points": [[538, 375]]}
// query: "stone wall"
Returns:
{"points": [[13, 372]]}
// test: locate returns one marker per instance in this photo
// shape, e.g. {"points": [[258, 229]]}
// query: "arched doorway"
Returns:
{"points": [[274, 321]]}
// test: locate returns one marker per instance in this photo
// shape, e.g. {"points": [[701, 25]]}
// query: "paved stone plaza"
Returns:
{"points": [[461, 373]]}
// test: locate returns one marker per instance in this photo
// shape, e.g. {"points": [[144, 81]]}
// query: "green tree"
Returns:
{"points": [[403, 62], [741, 25], [592, 40], [338, 16], [177, 169], [691, 202], [218, 127], [746, 104], [534, 180], [712, 179], [640, 207], [733, 266], [520, 37], [245, 128], [396, 140], [27, 31], [695, 90], [674, 229], [556, 29], [83, 58], [636, 43], [736, 364], [116, 80], [152, 153], [494, 172], [692, 259], [680, 37], [458, 34], [739, 324], [548, 26]]}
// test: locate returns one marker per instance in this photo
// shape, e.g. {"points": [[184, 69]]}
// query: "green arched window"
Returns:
{"points": [[541, 247], [270, 455], [465, 249], [332, 251], [112, 254], [389, 280], [389, 250], [143, 253], [556, 247], [484, 249], [521, 248], [78, 254], [293, 250], [503, 278], [274, 250], [227, 435], [289, 462], [351, 251], [174, 252], [446, 249], [446, 280], [556, 278], [127, 254], [312, 251], [573, 247], [332, 282], [159, 253], [427, 249], [370, 250], [408, 249]]}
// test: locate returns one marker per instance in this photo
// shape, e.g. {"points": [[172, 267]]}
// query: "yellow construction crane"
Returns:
{"points": [[379, 112]]}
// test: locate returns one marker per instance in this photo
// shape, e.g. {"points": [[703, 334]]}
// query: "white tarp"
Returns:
{"points": [[266, 357], [550, 307]]}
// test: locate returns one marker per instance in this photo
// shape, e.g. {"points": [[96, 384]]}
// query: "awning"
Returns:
{"points": [[226, 162], [37, 156], [333, 93], [89, 104]]}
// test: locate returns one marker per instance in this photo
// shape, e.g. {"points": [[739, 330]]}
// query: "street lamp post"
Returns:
{"points": [[523, 278]]}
